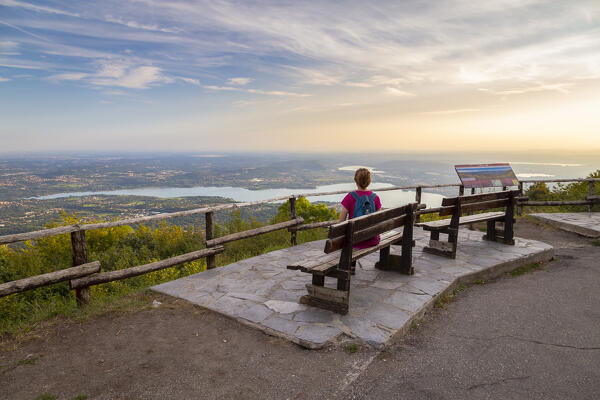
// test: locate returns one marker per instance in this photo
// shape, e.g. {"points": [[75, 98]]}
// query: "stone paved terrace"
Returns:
{"points": [[584, 223], [262, 293]]}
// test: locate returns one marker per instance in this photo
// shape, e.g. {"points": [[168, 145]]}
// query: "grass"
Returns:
{"points": [[595, 242], [80, 397], [416, 324], [46, 396], [28, 361], [526, 269], [351, 348], [443, 301]]}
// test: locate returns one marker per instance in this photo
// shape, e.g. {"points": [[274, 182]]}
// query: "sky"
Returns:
{"points": [[313, 76]]}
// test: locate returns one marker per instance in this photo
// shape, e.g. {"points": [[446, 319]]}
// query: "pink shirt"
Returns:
{"points": [[349, 202]]}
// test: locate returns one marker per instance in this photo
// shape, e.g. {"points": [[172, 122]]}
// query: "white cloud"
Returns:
{"points": [[67, 76], [117, 75], [137, 25], [8, 45], [221, 88], [132, 78], [22, 64], [191, 80], [278, 93], [115, 92], [256, 91], [316, 76], [452, 111], [397, 92], [239, 81], [4, 79], [556, 87], [36, 8]]}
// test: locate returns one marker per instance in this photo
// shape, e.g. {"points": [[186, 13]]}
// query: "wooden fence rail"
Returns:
{"points": [[253, 232], [142, 269], [50, 278]]}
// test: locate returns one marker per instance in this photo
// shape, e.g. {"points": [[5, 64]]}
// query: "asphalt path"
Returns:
{"points": [[533, 336]]}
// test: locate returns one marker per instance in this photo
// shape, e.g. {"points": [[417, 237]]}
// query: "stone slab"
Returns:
{"points": [[382, 303], [584, 223]]}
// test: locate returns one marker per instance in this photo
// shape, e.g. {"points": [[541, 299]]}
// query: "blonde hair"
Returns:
{"points": [[362, 177]]}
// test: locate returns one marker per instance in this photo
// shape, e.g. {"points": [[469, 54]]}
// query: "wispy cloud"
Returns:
{"points": [[556, 87], [192, 81], [239, 81], [117, 75], [277, 93], [129, 77], [8, 45], [67, 76], [23, 31], [397, 92], [22, 64], [4, 79], [222, 88], [137, 25], [452, 111], [36, 8], [255, 91]]}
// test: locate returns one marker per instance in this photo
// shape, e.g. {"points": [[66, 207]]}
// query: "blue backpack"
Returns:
{"points": [[364, 204]]}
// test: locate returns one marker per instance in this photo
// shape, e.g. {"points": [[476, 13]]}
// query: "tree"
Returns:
{"points": [[538, 191], [305, 209]]}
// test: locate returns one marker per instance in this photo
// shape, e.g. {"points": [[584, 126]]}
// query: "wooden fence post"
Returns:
{"points": [[210, 232], [293, 233], [590, 194], [461, 190], [418, 200], [80, 257], [471, 226], [520, 207]]}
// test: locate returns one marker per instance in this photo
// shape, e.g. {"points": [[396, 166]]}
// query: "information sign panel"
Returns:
{"points": [[486, 175]]}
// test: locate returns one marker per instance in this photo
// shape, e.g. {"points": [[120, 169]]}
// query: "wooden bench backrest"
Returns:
{"points": [[368, 226], [476, 202]]}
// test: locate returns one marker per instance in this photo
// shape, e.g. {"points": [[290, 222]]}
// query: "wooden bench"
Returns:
{"points": [[455, 206], [339, 254]]}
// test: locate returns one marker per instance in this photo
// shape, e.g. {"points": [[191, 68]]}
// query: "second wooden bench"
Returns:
{"points": [[456, 206]]}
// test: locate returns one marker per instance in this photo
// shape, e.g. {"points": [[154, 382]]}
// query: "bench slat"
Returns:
{"points": [[476, 198], [337, 243], [326, 262], [467, 219], [483, 205], [366, 221]]}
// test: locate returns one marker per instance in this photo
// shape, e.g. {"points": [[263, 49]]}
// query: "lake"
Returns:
{"points": [[388, 199]]}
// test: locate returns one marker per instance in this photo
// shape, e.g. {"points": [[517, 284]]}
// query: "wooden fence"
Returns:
{"points": [[83, 274], [590, 199]]}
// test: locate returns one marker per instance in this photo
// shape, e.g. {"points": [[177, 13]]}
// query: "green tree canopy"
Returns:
{"points": [[305, 209]]}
